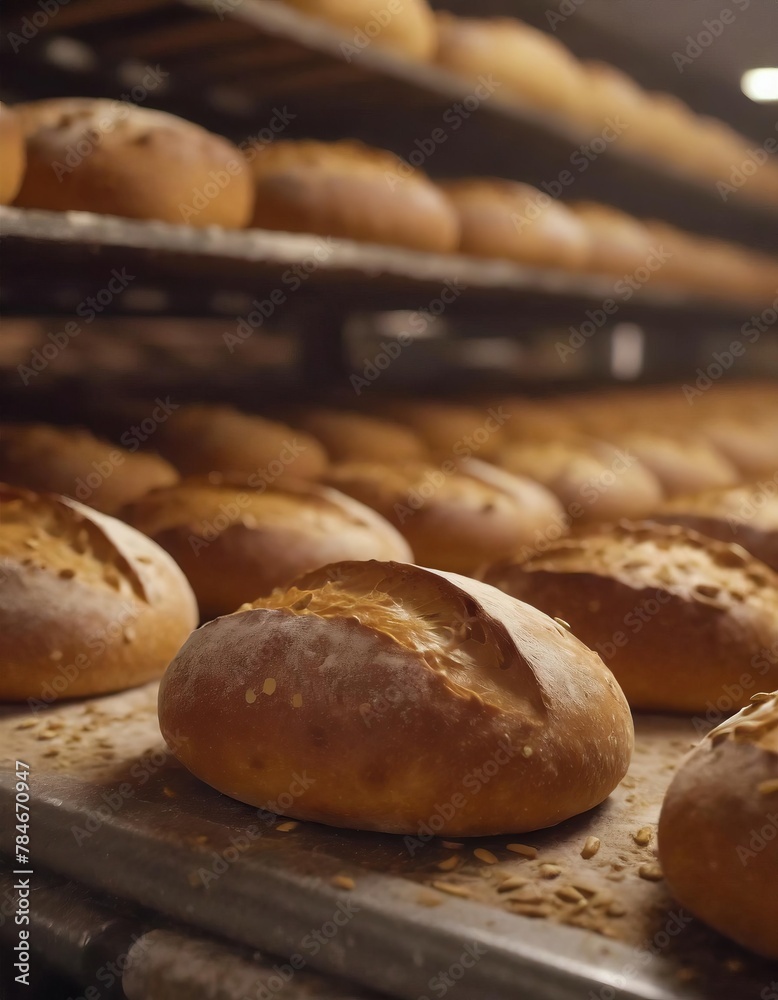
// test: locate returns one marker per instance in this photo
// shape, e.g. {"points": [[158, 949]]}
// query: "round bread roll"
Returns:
{"points": [[683, 464], [451, 430], [88, 605], [345, 189], [201, 439], [72, 461], [595, 481], [12, 155], [612, 98], [385, 685], [455, 516], [744, 443], [746, 515], [717, 829], [236, 544], [409, 29], [526, 63], [354, 437], [679, 618], [515, 221], [618, 243], [118, 159]]}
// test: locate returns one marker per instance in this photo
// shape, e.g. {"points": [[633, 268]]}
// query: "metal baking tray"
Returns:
{"points": [[110, 809]]}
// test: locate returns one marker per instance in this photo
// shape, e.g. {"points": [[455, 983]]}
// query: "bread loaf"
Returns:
{"points": [[12, 156], [618, 243], [119, 159], [386, 686], [516, 221], [350, 437], [683, 463], [682, 620], [746, 515], [72, 461], [236, 544], [88, 605], [455, 517], [407, 28], [200, 439], [718, 842], [451, 430], [347, 190]]}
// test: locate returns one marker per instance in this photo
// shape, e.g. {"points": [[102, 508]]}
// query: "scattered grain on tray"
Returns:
{"points": [[251, 696], [486, 856], [168, 792], [615, 909], [524, 850], [286, 827], [452, 845], [27, 724], [590, 848], [769, 787], [549, 871], [448, 864], [563, 623], [343, 882], [651, 873], [539, 912], [570, 894], [428, 899], [269, 686], [511, 883], [643, 836]]}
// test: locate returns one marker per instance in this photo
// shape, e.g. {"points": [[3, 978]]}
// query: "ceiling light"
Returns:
{"points": [[761, 84]]}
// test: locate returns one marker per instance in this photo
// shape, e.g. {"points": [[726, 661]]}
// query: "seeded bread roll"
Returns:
{"points": [[350, 437], [345, 189], [746, 515], [717, 829], [594, 481], [407, 28], [88, 605], [72, 461], [386, 685], [515, 221], [618, 243], [115, 158], [12, 156], [456, 517], [236, 544], [200, 439], [526, 63], [679, 618]]}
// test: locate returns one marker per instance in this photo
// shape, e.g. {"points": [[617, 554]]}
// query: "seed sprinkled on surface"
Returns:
{"points": [[524, 849], [768, 787], [570, 894], [511, 883], [269, 686], [615, 910], [590, 848], [563, 623], [526, 751], [66, 574], [297, 701], [452, 890], [652, 873], [286, 827], [449, 864], [27, 724], [342, 882], [251, 696], [486, 856], [452, 845], [549, 871], [644, 836]]}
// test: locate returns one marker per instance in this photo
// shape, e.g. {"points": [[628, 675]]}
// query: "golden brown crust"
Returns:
{"points": [[594, 481], [526, 63], [385, 686], [680, 619], [451, 430], [745, 515], [345, 189], [455, 516], [119, 159], [717, 830], [72, 461], [619, 244], [409, 30], [200, 439], [88, 605], [683, 463], [236, 544], [12, 155], [515, 221], [350, 437]]}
